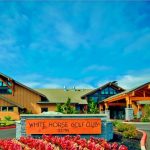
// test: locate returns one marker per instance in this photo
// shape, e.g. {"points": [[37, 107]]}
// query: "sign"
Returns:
{"points": [[63, 126]]}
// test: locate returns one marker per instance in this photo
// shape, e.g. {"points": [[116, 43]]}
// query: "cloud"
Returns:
{"points": [[129, 81], [84, 86], [38, 81]]}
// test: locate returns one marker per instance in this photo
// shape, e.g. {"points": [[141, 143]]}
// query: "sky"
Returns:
{"points": [[85, 44]]}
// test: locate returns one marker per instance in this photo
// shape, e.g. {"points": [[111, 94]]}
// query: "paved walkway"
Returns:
{"points": [[9, 133], [145, 127]]}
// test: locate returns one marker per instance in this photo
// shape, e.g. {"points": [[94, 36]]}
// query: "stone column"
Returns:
{"points": [[129, 114], [18, 129], [107, 112], [139, 112]]}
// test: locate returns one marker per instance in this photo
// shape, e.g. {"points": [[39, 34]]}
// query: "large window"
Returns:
{"points": [[4, 89], [4, 108], [7, 108], [109, 91], [10, 108]]}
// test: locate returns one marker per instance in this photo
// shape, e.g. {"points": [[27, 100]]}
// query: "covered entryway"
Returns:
{"points": [[128, 103]]}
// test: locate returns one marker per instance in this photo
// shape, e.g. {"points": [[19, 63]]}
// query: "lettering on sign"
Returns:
{"points": [[63, 126]]}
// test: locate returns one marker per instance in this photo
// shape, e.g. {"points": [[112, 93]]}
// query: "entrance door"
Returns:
{"points": [[117, 112]]}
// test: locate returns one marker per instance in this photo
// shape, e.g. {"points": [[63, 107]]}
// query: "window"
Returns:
{"points": [[4, 89], [45, 109], [10, 108], [109, 90], [4, 108]]}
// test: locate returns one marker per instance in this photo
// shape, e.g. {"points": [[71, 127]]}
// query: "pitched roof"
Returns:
{"points": [[22, 85], [128, 91], [144, 102], [103, 86], [11, 102], [61, 95]]}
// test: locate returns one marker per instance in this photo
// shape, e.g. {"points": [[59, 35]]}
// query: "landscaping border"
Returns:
{"points": [[8, 127], [143, 140]]}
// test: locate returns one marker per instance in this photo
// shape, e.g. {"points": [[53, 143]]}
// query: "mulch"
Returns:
{"points": [[131, 143]]}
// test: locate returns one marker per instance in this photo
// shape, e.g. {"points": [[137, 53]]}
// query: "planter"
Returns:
{"points": [[132, 143], [7, 127]]}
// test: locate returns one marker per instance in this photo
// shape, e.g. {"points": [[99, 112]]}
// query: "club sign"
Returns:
{"points": [[63, 126]]}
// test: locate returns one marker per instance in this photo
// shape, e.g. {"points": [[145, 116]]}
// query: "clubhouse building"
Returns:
{"points": [[111, 99]]}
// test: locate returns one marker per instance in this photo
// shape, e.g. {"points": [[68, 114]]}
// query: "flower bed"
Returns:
{"points": [[49, 142]]}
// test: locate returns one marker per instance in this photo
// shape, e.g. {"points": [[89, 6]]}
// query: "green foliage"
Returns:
{"points": [[121, 127], [66, 108], [128, 130], [116, 122], [7, 118], [59, 108], [92, 107], [129, 134], [4, 123], [147, 110], [145, 119]]}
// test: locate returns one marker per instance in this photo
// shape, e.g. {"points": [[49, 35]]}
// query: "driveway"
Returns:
{"points": [[8, 133], [145, 127]]}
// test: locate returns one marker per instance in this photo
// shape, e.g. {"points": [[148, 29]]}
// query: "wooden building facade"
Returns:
{"points": [[16, 98]]}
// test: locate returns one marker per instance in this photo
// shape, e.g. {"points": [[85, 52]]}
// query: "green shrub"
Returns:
{"points": [[116, 122], [121, 127], [66, 108], [129, 134], [145, 119], [7, 118], [147, 110], [128, 130]]}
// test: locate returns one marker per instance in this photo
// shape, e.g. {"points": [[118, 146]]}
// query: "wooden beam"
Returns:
{"points": [[116, 98], [101, 107], [144, 93], [139, 107], [117, 104], [140, 98], [127, 101], [106, 106], [132, 93]]}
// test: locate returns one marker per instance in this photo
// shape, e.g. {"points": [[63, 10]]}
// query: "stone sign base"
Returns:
{"points": [[86, 125]]}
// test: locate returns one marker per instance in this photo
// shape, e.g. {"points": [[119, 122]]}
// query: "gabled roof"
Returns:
{"points": [[113, 84], [61, 95], [11, 102], [22, 85], [127, 91]]}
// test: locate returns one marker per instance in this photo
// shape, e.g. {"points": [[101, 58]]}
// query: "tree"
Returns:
{"points": [[66, 108], [92, 107]]}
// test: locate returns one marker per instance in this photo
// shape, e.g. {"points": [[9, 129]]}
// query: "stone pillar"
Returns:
{"points": [[18, 129], [139, 114], [107, 112], [129, 114]]}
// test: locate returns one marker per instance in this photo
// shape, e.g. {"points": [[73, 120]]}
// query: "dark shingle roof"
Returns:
{"points": [[103, 86]]}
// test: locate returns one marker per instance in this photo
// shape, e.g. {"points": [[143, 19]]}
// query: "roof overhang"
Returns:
{"points": [[11, 102]]}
